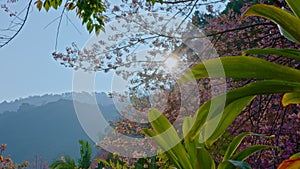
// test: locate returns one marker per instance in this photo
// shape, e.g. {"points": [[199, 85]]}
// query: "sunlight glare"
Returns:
{"points": [[171, 63]]}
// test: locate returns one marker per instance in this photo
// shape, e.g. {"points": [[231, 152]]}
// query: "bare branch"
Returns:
{"points": [[20, 28]]}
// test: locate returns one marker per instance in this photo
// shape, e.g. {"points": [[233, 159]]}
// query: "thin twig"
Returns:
{"points": [[18, 31], [58, 28]]}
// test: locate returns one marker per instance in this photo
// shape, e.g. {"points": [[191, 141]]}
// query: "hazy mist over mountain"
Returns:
{"points": [[47, 125]]}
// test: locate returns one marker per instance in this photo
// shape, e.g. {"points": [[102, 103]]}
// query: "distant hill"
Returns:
{"points": [[46, 125], [47, 98]]}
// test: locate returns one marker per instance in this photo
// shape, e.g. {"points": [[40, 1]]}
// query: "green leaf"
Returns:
{"points": [[258, 88], [241, 67], [229, 114], [287, 21], [65, 163], [291, 53], [240, 164], [54, 4], [190, 146], [234, 145], [245, 153], [85, 154], [237, 141], [295, 155], [162, 143], [290, 98], [294, 5], [168, 139], [47, 5], [204, 160], [287, 35]]}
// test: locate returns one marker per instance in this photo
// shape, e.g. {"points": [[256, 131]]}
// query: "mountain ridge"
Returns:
{"points": [[50, 130]]}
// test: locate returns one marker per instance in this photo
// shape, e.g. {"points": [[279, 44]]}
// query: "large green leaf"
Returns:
{"points": [[291, 53], [168, 138], [290, 98], [247, 152], [162, 144], [287, 21], [190, 146], [204, 159], [287, 35], [240, 164], [294, 5], [241, 67], [231, 111], [237, 141], [234, 145], [258, 88], [295, 155]]}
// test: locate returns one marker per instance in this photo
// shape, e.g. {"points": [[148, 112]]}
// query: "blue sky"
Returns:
{"points": [[26, 65]]}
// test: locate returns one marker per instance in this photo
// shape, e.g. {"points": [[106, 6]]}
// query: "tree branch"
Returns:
{"points": [[22, 25]]}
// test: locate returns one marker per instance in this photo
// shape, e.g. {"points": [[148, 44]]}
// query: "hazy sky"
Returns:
{"points": [[26, 65]]}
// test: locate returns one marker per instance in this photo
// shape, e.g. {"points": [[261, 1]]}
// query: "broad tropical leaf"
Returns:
{"points": [[240, 164], [215, 105], [190, 145], [234, 145], [291, 53], [229, 114], [294, 5], [287, 21], [290, 98], [295, 155], [204, 160], [167, 137], [241, 67], [245, 153]]}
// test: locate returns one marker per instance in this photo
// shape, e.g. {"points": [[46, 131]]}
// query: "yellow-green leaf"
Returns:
{"points": [[228, 116], [291, 53], [190, 145], [295, 6], [295, 155], [241, 67], [47, 5], [247, 152], [290, 98], [234, 145], [204, 159], [287, 21], [258, 88], [168, 135]]}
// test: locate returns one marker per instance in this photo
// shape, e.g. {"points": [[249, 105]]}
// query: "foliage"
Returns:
{"points": [[268, 85], [90, 12], [240, 66], [114, 161], [67, 162], [263, 115], [85, 154], [191, 153], [266, 34]]}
